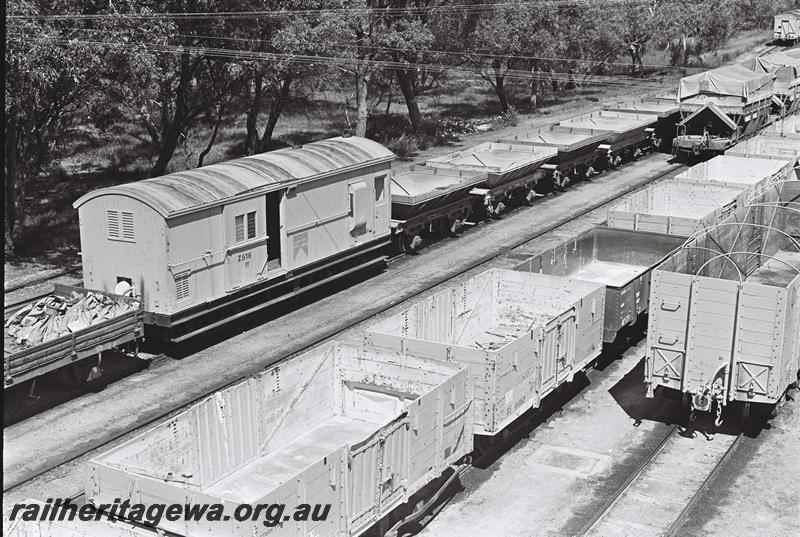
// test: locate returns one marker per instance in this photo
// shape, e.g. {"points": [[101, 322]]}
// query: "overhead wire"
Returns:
{"points": [[232, 54]]}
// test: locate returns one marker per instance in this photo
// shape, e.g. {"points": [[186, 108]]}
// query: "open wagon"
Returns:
{"points": [[521, 335], [85, 324], [769, 145], [752, 173], [358, 430], [619, 259], [725, 310], [511, 169], [428, 199], [676, 207]]}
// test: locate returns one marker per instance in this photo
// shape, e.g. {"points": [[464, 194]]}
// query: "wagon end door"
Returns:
{"points": [[666, 334], [376, 475], [710, 334], [759, 333]]}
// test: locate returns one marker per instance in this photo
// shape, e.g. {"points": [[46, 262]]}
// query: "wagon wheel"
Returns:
{"points": [[484, 443], [410, 245]]}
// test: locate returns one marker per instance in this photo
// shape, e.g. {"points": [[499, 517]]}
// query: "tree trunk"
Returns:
{"points": [[279, 98], [407, 87], [11, 184], [217, 123], [502, 95], [362, 93], [173, 129], [535, 83], [251, 142]]}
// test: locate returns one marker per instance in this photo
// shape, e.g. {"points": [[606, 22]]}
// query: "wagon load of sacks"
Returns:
{"points": [[55, 316]]}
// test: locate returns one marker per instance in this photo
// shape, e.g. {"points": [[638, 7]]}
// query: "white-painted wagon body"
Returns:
{"points": [[214, 235], [521, 334], [676, 207], [725, 311], [751, 173], [359, 429], [769, 145]]}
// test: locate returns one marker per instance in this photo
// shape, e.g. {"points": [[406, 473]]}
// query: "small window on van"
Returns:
{"points": [[245, 226], [380, 189]]}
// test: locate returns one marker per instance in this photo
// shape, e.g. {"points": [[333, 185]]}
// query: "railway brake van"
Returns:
{"points": [[204, 246]]}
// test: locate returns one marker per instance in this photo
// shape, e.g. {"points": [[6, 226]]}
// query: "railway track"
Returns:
{"points": [[12, 484], [58, 274], [658, 495]]}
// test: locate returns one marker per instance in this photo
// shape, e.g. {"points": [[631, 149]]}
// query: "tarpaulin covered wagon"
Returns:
{"points": [[68, 325], [521, 335], [424, 198], [511, 169]]}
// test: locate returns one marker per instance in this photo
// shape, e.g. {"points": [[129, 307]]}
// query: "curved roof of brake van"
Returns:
{"points": [[191, 190]]}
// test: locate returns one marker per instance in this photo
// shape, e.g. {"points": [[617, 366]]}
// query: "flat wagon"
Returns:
{"points": [[578, 149], [721, 107], [787, 27], [752, 173], [725, 312], [358, 430], [630, 133], [511, 169], [521, 335], [206, 246], [428, 199], [80, 340], [619, 259], [676, 207]]}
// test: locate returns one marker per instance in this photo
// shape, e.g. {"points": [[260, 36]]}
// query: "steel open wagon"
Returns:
{"points": [[509, 169], [676, 207], [577, 147], [751, 173], [725, 312], [521, 335], [359, 430], [787, 126], [768, 145], [115, 321], [425, 198], [619, 259], [629, 131]]}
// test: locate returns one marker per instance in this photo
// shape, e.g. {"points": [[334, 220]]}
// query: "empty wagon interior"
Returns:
{"points": [[613, 257], [247, 440], [487, 312], [674, 198], [758, 243], [734, 170]]}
